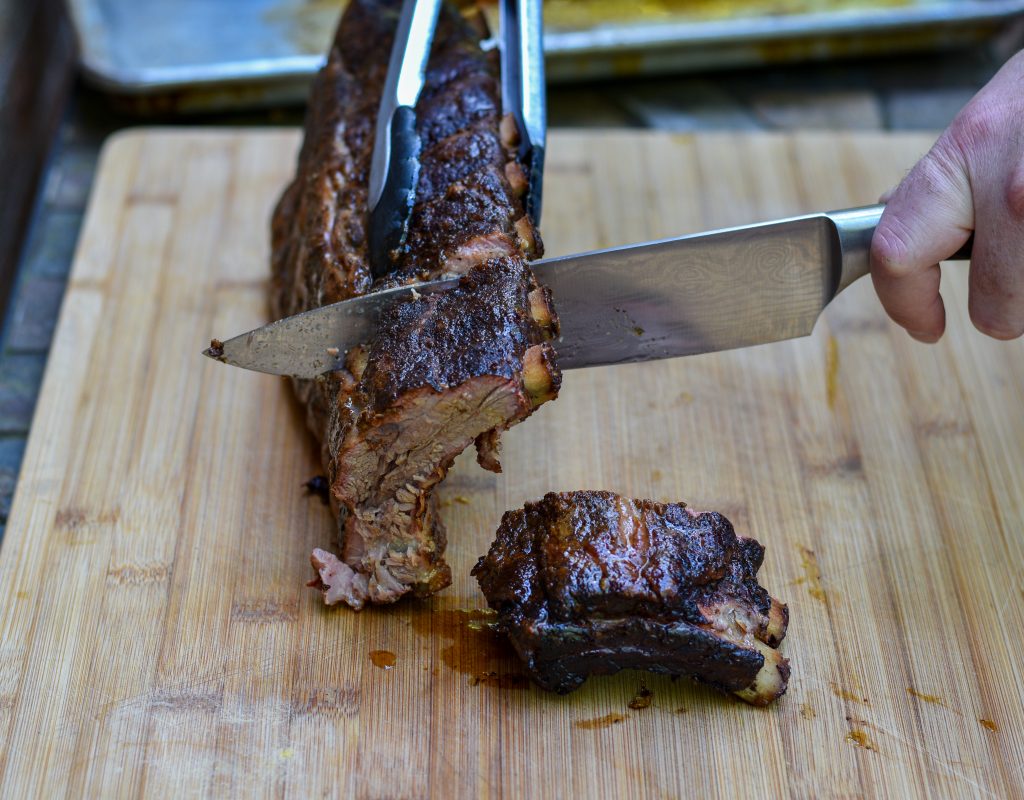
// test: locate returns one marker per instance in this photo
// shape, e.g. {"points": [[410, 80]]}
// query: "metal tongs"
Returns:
{"points": [[395, 168]]}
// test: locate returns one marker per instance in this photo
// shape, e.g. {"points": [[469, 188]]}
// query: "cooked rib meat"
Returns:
{"points": [[589, 583], [443, 370]]}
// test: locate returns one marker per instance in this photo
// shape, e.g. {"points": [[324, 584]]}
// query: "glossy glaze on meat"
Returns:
{"points": [[591, 583], [443, 371]]}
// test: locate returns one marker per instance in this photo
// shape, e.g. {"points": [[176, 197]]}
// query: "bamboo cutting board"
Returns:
{"points": [[157, 637]]}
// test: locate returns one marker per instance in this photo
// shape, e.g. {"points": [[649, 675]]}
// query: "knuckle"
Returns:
{"points": [[979, 124], [942, 172], [891, 247], [1014, 192]]}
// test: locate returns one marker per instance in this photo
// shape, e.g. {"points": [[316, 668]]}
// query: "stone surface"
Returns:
{"points": [[14, 24], [36, 55], [838, 110], [34, 315], [20, 376], [52, 246], [685, 106], [581, 107], [69, 183], [11, 452], [925, 109]]}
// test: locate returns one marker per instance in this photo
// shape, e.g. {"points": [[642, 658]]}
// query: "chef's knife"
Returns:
{"points": [[675, 297]]}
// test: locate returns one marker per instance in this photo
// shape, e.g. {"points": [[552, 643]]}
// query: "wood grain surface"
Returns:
{"points": [[157, 637]]}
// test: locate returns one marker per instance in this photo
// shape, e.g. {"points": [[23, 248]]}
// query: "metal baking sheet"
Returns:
{"points": [[182, 55]]}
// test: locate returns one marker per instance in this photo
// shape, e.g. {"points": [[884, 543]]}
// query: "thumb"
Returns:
{"points": [[929, 217]]}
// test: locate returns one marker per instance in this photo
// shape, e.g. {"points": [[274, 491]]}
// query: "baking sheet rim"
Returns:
{"points": [[606, 40]]}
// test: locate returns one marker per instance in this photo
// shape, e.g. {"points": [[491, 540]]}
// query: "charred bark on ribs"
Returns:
{"points": [[443, 370], [590, 583]]}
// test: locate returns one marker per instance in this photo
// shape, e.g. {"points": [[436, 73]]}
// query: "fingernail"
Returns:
{"points": [[921, 336]]}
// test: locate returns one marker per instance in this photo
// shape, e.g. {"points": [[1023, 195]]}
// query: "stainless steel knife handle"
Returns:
{"points": [[856, 227]]}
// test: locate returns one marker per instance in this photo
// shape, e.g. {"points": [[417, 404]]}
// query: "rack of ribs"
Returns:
{"points": [[590, 583], [443, 370]]}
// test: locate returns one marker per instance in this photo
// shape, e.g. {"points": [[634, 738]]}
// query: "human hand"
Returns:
{"points": [[971, 179]]}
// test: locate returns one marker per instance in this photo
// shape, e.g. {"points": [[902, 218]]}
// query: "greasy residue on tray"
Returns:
{"points": [[584, 14], [307, 24]]}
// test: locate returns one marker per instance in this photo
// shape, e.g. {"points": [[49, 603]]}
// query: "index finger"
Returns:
{"points": [[928, 218]]}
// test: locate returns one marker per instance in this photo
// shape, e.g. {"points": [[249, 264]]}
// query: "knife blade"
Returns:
{"points": [[692, 294]]}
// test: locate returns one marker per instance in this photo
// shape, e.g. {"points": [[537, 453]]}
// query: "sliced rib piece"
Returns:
{"points": [[589, 583], [443, 370]]}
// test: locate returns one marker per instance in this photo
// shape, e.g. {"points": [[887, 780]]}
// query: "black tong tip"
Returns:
{"points": [[389, 219]]}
